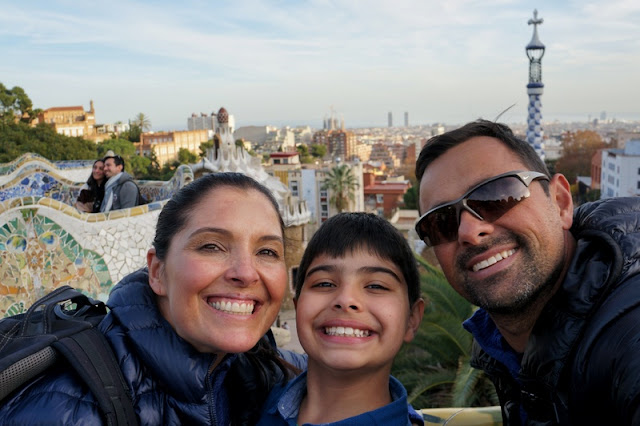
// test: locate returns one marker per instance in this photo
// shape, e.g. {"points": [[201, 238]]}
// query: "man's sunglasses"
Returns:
{"points": [[488, 200]]}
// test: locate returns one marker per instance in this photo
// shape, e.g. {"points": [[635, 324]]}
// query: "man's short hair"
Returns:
{"points": [[119, 161], [438, 145]]}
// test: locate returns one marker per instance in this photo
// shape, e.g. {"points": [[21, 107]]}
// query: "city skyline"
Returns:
{"points": [[294, 62]]}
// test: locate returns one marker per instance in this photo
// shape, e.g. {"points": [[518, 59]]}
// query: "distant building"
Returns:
{"points": [[384, 197], [71, 121], [406, 119], [390, 119], [202, 122], [166, 145], [340, 143], [621, 171]]}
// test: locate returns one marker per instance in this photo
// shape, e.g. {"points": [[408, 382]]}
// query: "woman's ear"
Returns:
{"points": [[156, 273], [415, 318]]}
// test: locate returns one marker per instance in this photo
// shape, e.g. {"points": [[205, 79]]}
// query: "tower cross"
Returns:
{"points": [[535, 21]]}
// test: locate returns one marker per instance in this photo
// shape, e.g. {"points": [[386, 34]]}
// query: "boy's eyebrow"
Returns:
{"points": [[324, 268], [364, 269], [375, 269]]}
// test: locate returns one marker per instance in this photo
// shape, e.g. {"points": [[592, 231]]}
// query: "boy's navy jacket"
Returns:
{"points": [[170, 382], [283, 405]]}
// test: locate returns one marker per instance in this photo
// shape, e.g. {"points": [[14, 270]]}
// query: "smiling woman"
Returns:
{"points": [[191, 331]]}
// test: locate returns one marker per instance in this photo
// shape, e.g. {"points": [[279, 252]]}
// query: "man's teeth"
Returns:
{"points": [[233, 307], [492, 260], [346, 331]]}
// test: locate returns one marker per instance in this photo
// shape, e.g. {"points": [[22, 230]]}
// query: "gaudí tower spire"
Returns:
{"points": [[535, 88]]}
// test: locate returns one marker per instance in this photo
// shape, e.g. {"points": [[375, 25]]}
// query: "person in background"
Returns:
{"points": [[121, 191], [558, 290], [92, 192], [357, 301], [192, 330]]}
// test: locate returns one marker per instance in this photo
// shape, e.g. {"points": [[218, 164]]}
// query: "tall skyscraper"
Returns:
{"points": [[406, 119], [535, 52], [390, 118]]}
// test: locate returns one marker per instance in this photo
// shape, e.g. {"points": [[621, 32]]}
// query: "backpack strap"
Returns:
{"points": [[92, 358]]}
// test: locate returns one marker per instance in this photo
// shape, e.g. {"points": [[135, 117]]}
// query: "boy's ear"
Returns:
{"points": [[415, 318], [156, 267]]}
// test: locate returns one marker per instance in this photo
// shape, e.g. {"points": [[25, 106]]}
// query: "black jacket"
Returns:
{"points": [[582, 362], [171, 383]]}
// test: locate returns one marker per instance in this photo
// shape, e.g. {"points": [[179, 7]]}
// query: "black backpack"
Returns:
{"points": [[57, 328]]}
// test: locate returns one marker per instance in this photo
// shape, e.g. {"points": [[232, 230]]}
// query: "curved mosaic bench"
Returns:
{"points": [[36, 179], [45, 242]]}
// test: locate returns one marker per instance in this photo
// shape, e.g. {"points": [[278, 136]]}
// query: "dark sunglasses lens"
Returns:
{"points": [[494, 199], [440, 226]]}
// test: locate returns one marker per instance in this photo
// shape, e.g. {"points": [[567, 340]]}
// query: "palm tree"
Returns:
{"points": [[341, 184], [143, 122], [435, 366]]}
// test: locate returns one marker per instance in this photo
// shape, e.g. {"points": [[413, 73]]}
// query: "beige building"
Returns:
{"points": [[166, 145], [71, 121]]}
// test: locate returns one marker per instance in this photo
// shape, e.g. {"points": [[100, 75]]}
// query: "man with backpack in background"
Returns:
{"points": [[120, 191]]}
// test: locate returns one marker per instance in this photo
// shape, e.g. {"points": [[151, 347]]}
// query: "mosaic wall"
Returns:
{"points": [[45, 242]]}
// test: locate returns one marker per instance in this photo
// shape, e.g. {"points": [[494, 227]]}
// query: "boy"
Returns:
{"points": [[357, 300]]}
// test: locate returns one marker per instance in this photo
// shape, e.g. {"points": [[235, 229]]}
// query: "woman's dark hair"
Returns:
{"points": [[346, 233], [254, 373], [175, 213], [438, 145], [96, 189]]}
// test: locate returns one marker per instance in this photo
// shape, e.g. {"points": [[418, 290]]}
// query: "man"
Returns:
{"points": [[120, 191], [558, 324]]}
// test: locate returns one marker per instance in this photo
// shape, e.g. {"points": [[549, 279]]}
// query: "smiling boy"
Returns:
{"points": [[357, 301]]}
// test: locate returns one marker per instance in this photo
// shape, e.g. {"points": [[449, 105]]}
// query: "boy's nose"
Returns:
{"points": [[347, 299]]}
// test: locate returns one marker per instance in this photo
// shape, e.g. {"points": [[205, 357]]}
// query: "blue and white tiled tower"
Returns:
{"points": [[535, 88]]}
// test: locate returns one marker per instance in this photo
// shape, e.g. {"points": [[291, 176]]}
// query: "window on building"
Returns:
{"points": [[639, 184], [379, 198]]}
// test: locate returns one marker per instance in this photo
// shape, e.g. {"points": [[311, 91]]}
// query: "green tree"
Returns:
{"points": [[204, 146], [318, 150], [303, 152], [142, 121], [17, 138], [186, 157], [435, 367], [133, 134], [577, 150], [411, 199], [342, 185], [14, 103]]}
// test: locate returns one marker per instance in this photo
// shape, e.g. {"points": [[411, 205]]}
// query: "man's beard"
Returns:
{"points": [[534, 279]]}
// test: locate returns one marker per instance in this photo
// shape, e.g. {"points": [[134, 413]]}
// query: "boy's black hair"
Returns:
{"points": [[345, 233]]}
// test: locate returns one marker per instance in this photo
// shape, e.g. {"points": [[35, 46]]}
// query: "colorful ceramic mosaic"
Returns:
{"points": [[37, 255], [45, 244]]}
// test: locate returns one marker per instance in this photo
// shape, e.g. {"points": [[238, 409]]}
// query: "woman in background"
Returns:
{"points": [[92, 192]]}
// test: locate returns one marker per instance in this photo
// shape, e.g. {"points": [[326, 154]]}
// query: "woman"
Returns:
{"points": [[188, 330], [92, 192]]}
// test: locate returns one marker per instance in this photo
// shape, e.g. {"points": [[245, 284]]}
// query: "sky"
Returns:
{"points": [[294, 62]]}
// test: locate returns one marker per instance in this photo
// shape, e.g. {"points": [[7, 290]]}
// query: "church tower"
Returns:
{"points": [[535, 88]]}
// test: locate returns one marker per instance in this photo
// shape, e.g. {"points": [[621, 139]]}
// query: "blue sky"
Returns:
{"points": [[290, 62]]}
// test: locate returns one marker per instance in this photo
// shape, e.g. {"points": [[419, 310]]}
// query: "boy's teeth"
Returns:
{"points": [[346, 331], [233, 307], [492, 260]]}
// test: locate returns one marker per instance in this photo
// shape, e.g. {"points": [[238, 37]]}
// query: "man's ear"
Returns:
{"points": [[156, 273], [560, 191], [415, 318]]}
